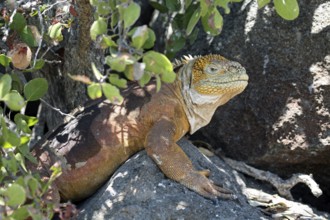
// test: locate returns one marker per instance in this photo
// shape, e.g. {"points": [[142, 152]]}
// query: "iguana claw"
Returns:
{"points": [[198, 182]]}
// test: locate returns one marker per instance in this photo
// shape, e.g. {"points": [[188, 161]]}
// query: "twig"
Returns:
{"points": [[41, 36], [56, 109], [6, 30], [50, 6], [283, 186], [276, 206], [53, 61]]}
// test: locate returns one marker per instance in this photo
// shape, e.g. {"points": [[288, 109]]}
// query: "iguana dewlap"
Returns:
{"points": [[92, 146]]}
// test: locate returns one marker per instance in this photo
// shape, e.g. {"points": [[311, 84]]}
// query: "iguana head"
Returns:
{"points": [[206, 83], [215, 75]]}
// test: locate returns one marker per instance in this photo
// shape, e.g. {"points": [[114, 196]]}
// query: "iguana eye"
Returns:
{"points": [[212, 69]]}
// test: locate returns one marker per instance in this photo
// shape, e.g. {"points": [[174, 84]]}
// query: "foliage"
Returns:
{"points": [[287, 9], [129, 45], [20, 191], [129, 48], [183, 16], [130, 57]]}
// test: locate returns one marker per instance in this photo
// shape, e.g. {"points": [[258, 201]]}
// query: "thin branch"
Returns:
{"points": [[6, 31], [51, 6], [276, 206], [41, 37], [283, 186], [56, 109]]}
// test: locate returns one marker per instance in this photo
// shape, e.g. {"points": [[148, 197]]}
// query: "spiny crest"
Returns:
{"points": [[202, 61], [184, 60]]}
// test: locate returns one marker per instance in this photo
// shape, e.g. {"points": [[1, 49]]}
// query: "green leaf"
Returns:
{"points": [[287, 9], [161, 8], [17, 83], [4, 127], [168, 77], [103, 8], [5, 85], [24, 149], [119, 62], [24, 139], [145, 79], [158, 83], [16, 195], [14, 101], [94, 91], [193, 36], [35, 89], [114, 19], [33, 185], [21, 213], [135, 71], [20, 159], [212, 22], [157, 62], [94, 2], [108, 42], [18, 23], [187, 3], [140, 36], [10, 164], [130, 14], [113, 4], [115, 80], [30, 120], [13, 138], [262, 3], [205, 5], [98, 27], [150, 40], [224, 5], [4, 60], [176, 42], [23, 122], [55, 32], [56, 171], [96, 72], [112, 93], [173, 5], [27, 37], [193, 21], [22, 126], [39, 64]]}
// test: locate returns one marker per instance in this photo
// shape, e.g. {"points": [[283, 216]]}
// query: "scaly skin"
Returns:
{"points": [[92, 146]]}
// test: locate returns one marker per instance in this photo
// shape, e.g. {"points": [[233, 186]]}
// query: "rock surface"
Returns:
{"points": [[139, 190], [281, 122]]}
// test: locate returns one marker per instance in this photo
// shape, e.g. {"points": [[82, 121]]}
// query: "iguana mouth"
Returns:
{"points": [[219, 82]]}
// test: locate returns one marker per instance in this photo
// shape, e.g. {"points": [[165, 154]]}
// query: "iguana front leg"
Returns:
{"points": [[161, 146]]}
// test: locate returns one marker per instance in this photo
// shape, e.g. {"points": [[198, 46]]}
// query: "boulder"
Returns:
{"points": [[139, 190]]}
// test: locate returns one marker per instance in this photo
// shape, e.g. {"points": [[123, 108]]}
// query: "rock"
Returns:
{"points": [[281, 121], [139, 190]]}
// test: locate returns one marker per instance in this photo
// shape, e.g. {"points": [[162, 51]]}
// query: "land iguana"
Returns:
{"points": [[90, 147]]}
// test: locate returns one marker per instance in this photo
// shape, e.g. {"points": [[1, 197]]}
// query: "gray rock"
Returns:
{"points": [[281, 121], [139, 190]]}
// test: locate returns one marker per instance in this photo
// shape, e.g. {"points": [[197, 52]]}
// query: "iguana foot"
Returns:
{"points": [[198, 182]]}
